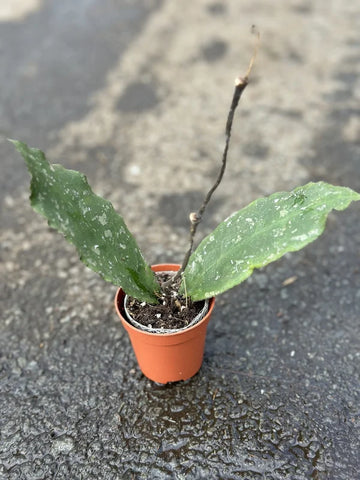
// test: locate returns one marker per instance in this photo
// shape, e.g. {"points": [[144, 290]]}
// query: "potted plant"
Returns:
{"points": [[177, 300]]}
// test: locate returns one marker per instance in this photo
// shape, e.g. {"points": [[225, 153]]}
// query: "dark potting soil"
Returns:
{"points": [[172, 312]]}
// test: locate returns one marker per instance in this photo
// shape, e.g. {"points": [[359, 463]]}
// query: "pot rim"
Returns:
{"points": [[128, 326]]}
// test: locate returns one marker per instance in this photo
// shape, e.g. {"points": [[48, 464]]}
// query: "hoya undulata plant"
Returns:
{"points": [[251, 238]]}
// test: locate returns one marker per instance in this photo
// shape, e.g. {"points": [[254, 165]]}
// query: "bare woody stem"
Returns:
{"points": [[196, 217]]}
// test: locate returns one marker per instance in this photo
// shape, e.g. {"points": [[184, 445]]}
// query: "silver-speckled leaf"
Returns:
{"points": [[89, 222], [259, 234]]}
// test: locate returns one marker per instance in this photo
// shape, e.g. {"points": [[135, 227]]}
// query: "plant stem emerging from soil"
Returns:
{"points": [[196, 217]]}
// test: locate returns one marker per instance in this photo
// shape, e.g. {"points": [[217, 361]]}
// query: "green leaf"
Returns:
{"points": [[259, 234], [99, 234]]}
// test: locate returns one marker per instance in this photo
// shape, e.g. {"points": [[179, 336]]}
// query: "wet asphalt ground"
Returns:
{"points": [[135, 95]]}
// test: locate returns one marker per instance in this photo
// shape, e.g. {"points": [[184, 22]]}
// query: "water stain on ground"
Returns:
{"points": [[138, 97], [214, 50], [217, 8], [256, 150]]}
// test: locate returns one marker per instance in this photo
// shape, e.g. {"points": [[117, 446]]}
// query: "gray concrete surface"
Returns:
{"points": [[135, 95]]}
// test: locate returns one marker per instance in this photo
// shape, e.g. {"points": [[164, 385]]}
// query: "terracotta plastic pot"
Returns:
{"points": [[167, 357]]}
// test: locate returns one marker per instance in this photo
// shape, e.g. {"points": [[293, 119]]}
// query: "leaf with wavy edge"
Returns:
{"points": [[99, 234], [261, 233]]}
